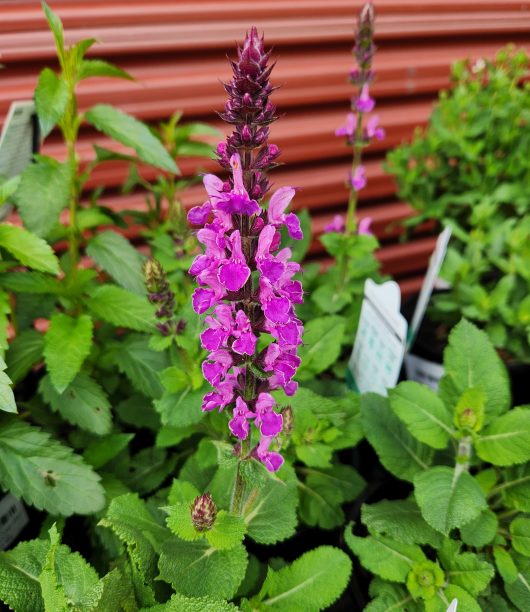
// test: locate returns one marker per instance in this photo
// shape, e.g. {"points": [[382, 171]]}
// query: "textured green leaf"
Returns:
{"points": [[520, 530], [323, 492], [182, 491], [466, 570], [481, 530], [181, 409], [392, 597], [24, 352], [5, 311], [29, 249], [322, 343], [42, 194], [507, 440], [51, 98], [516, 487], [448, 499], [45, 473], [383, 556], [181, 603], [111, 593], [519, 590], [424, 414], [7, 399], [116, 255], [21, 568], [400, 520], [102, 450], [309, 584], [197, 569], [132, 133], [146, 470], [122, 308], [470, 361], [53, 594], [227, 531], [141, 365], [83, 403], [505, 564], [56, 28], [466, 603], [31, 282], [130, 520], [67, 344], [100, 68], [180, 523], [397, 449]]}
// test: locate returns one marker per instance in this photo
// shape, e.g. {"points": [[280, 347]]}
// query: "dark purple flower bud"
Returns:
{"points": [[246, 134], [203, 512], [288, 420]]}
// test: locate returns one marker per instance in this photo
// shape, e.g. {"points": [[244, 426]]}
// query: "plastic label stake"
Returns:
{"points": [[13, 519], [380, 342]]}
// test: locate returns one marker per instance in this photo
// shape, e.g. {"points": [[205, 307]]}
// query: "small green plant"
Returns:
{"points": [[464, 532], [469, 170]]}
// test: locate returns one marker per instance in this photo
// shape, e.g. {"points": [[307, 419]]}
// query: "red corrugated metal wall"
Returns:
{"points": [[176, 50]]}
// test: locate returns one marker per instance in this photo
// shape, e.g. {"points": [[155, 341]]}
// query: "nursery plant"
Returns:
{"points": [[187, 487], [463, 531], [335, 296], [468, 170]]}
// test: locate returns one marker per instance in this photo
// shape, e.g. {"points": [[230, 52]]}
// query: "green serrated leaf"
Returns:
{"points": [[385, 557], [100, 68], [227, 531], [130, 520], [400, 520], [520, 530], [56, 28], [45, 473], [181, 603], [51, 99], [180, 523], [7, 399], [182, 491], [322, 493], [83, 403], [466, 570], [99, 452], [424, 414], [53, 594], [398, 450], [322, 344], [51, 181], [471, 361], [448, 499], [507, 440], [141, 365], [146, 470], [311, 583], [111, 593], [197, 569], [180, 409], [515, 488], [29, 249], [23, 353], [132, 133], [481, 530], [67, 344], [505, 564], [122, 308], [115, 254]]}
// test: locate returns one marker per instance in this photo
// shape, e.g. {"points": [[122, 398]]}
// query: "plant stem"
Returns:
{"points": [[463, 457], [351, 225], [236, 503]]}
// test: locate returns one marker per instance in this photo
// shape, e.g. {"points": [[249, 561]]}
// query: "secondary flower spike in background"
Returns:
{"points": [[357, 131], [245, 280]]}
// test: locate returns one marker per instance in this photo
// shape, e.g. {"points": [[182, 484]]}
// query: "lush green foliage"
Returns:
{"points": [[469, 170], [464, 531]]}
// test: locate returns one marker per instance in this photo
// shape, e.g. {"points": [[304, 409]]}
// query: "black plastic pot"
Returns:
{"points": [[430, 344]]}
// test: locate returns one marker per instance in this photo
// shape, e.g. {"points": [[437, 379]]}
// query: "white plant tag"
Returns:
{"points": [[453, 605], [13, 519], [423, 371], [379, 346], [431, 276], [19, 138]]}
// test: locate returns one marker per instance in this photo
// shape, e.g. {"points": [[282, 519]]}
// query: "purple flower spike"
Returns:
{"points": [[337, 225], [358, 180], [365, 104], [364, 226], [245, 278]]}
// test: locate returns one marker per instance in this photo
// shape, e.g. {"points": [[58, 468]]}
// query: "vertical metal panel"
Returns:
{"points": [[176, 50]]}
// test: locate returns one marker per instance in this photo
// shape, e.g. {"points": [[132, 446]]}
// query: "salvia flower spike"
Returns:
{"points": [[245, 280], [357, 131], [161, 296]]}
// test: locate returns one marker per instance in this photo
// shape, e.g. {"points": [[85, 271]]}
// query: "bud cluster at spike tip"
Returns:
{"points": [[357, 132], [162, 297], [245, 279]]}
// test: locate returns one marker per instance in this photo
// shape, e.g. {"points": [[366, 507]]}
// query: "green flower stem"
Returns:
{"points": [[351, 224], [463, 456], [236, 503]]}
